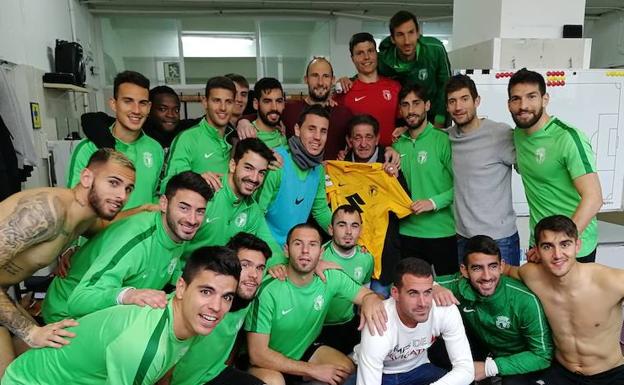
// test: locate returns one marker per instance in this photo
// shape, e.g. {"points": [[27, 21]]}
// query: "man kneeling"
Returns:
{"points": [[399, 356], [138, 345]]}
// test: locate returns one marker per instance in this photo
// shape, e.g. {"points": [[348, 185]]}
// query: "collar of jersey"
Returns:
{"points": [[401, 65], [423, 134], [544, 131], [162, 236], [213, 133], [120, 145]]}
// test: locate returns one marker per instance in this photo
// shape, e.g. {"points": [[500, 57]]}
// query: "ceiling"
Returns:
{"points": [[373, 9]]}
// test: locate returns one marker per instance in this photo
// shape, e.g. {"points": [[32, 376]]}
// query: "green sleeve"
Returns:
{"points": [[260, 316], [442, 76], [578, 155], [445, 198], [539, 342], [263, 232], [450, 282], [320, 207], [124, 354], [79, 159], [344, 286], [269, 189], [179, 159], [103, 282]]}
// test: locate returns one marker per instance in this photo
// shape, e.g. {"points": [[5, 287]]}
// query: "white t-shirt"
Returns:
{"points": [[402, 348]]}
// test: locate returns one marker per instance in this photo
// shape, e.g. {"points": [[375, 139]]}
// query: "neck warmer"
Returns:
{"points": [[301, 156]]}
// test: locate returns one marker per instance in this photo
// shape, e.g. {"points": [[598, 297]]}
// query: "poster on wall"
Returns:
{"points": [[172, 72], [35, 115]]}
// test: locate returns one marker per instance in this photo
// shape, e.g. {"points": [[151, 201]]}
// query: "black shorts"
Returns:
{"points": [[232, 375], [342, 337], [557, 374]]}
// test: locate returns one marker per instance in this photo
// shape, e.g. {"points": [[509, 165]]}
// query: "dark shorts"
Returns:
{"points": [[232, 375], [294, 380], [557, 374], [342, 337]]}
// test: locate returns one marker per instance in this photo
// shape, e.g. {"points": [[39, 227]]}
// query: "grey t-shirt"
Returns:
{"points": [[482, 163]]}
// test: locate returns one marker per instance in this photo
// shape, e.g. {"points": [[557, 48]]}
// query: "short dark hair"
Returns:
{"points": [[347, 209], [265, 85], [238, 79], [401, 17], [218, 259], [248, 241], [481, 244], [132, 77], [361, 37], [189, 180], [313, 109], [416, 88], [362, 119], [163, 90], [413, 266], [319, 58], [461, 81], [527, 77], [220, 82], [104, 155], [254, 145], [301, 226], [557, 224]]}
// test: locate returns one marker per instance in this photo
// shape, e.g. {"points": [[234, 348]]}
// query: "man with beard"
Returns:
{"points": [[133, 259], [287, 316], [205, 362], [233, 208], [429, 233], [297, 189], [206, 148], [371, 93], [555, 161], [483, 155], [512, 337], [340, 330], [319, 77], [269, 102], [37, 224], [138, 345], [399, 356], [131, 105]]}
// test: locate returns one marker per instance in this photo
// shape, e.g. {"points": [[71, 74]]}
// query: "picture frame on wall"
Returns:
{"points": [[172, 72], [35, 115]]}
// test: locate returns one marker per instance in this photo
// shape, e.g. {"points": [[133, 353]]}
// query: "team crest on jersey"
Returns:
{"points": [[423, 74], [387, 94], [503, 322], [540, 155], [172, 266], [318, 302], [148, 159], [241, 220], [358, 272], [422, 157]]}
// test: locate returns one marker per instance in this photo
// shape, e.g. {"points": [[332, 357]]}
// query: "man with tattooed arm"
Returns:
{"points": [[38, 224]]}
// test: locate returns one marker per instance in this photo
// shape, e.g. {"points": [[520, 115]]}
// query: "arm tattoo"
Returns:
{"points": [[12, 319]]}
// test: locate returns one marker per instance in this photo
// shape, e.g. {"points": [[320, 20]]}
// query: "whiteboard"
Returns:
{"points": [[590, 100]]}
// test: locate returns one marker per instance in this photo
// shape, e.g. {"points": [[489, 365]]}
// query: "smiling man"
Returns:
{"points": [[269, 102], [399, 356], [138, 345], [513, 339], [133, 259], [297, 189], [131, 105]]}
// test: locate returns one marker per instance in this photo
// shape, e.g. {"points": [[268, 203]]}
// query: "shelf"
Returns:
{"points": [[67, 87]]}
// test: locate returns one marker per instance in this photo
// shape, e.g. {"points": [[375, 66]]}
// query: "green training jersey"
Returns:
{"points": [[293, 316], [273, 138], [427, 166], [121, 345], [199, 149], [549, 160], [133, 252], [430, 68], [510, 323], [227, 215], [146, 155], [207, 356], [359, 267]]}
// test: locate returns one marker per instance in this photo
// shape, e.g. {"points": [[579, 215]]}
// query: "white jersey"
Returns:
{"points": [[402, 348]]}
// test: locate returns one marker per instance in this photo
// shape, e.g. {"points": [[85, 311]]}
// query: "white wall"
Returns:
{"points": [[475, 21], [607, 34]]}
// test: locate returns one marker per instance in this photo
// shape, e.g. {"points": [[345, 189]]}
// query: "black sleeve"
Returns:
{"points": [[95, 127], [188, 123]]}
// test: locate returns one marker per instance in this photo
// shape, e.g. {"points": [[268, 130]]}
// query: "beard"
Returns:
{"points": [[97, 203], [418, 123], [317, 97], [530, 123], [265, 119]]}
